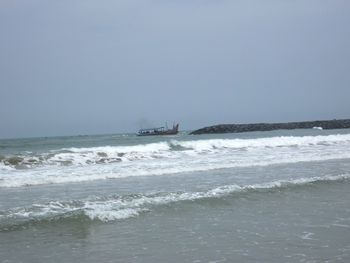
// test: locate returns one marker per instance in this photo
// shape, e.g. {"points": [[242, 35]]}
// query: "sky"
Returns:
{"points": [[74, 67]]}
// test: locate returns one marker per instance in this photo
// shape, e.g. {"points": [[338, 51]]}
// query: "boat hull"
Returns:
{"points": [[159, 131]]}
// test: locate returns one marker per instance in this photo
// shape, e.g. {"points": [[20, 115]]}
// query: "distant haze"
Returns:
{"points": [[86, 67]]}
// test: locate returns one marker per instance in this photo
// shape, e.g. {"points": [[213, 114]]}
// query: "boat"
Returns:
{"points": [[159, 131]]}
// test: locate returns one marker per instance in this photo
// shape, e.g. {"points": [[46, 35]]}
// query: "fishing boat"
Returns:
{"points": [[159, 131]]}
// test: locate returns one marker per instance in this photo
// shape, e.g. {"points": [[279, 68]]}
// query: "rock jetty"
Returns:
{"points": [[234, 128]]}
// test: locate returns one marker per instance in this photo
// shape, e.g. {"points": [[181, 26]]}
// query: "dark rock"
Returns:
{"points": [[14, 160], [235, 128], [102, 154], [108, 160]]}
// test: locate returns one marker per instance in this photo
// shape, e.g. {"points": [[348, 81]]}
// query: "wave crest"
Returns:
{"points": [[162, 158], [113, 208], [160, 150]]}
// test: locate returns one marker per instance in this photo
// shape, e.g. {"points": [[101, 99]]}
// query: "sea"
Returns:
{"points": [[278, 196]]}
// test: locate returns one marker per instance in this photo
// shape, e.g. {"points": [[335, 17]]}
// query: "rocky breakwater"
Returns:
{"points": [[234, 128]]}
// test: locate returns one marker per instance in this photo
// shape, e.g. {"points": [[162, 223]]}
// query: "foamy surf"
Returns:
{"points": [[281, 141], [165, 158], [113, 208], [166, 149]]}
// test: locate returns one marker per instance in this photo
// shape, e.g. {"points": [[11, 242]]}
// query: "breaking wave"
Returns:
{"points": [[166, 149], [167, 157], [113, 208]]}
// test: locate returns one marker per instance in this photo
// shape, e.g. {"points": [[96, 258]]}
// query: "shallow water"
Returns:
{"points": [[278, 196]]}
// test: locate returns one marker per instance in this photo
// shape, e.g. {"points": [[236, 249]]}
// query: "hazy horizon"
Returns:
{"points": [[133, 131], [85, 67]]}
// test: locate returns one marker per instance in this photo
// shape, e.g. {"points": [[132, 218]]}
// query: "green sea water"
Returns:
{"points": [[280, 196]]}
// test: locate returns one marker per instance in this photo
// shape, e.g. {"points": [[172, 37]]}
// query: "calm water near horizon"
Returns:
{"points": [[279, 196]]}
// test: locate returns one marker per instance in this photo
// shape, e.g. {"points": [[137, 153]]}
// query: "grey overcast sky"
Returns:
{"points": [[84, 67]]}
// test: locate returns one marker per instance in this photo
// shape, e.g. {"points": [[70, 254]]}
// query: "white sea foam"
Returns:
{"points": [[123, 207], [111, 154], [282, 141], [150, 147], [111, 162]]}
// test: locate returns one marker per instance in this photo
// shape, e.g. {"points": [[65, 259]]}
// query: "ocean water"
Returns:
{"points": [[280, 196]]}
